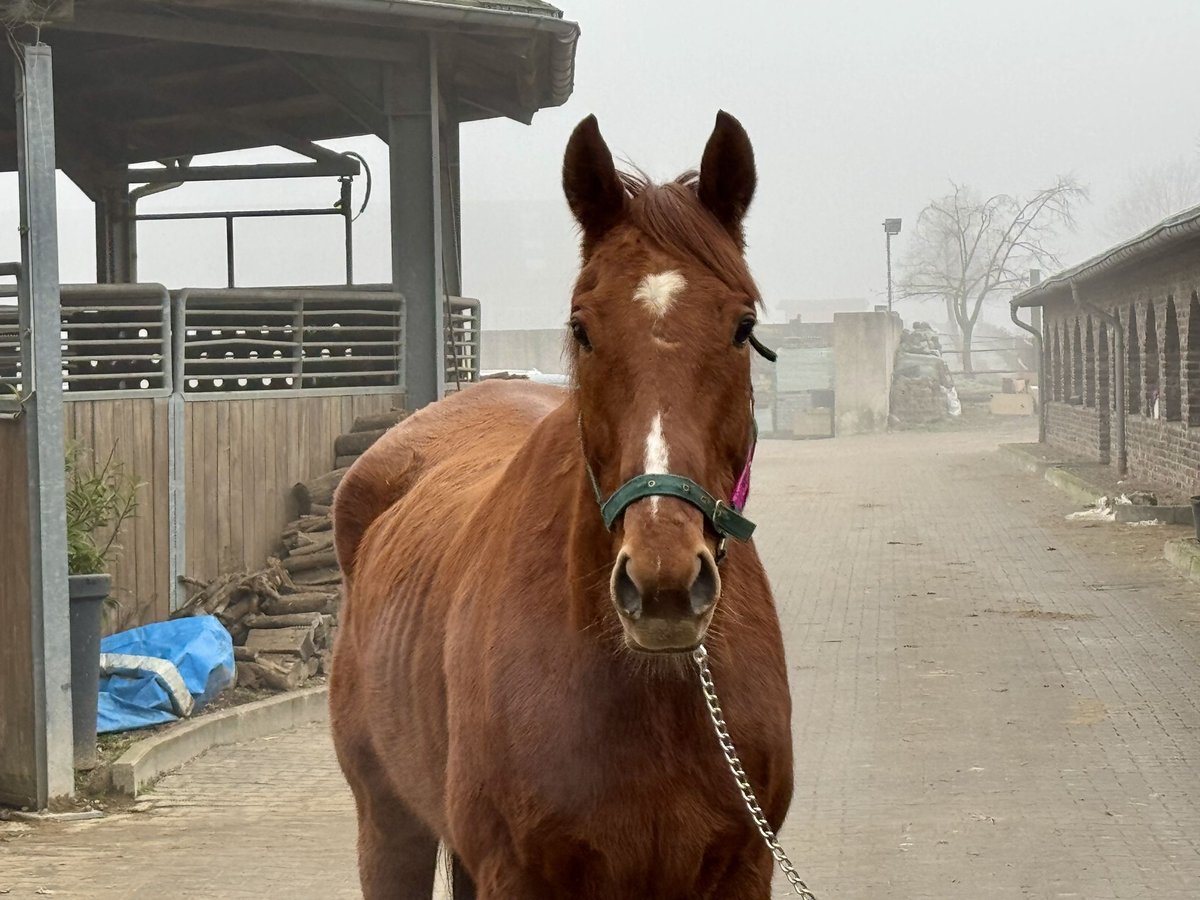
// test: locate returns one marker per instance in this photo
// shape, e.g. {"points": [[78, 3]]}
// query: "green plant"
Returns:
{"points": [[99, 502]]}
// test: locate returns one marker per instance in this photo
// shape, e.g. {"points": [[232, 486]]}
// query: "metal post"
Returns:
{"points": [[889, 272], [416, 215], [346, 203], [229, 273], [41, 360]]}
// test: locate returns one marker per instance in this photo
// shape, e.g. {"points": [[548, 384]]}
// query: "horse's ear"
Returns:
{"points": [[590, 181], [727, 176]]}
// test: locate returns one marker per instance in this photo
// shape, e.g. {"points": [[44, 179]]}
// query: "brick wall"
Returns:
{"points": [[1158, 305], [1164, 453], [1076, 429]]}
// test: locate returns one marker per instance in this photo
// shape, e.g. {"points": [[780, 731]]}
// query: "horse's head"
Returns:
{"points": [[661, 317]]}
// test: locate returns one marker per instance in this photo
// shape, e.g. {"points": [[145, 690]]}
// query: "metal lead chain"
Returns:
{"points": [[700, 656]]}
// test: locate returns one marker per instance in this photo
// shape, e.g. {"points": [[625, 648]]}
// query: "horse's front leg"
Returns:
{"points": [[498, 878], [749, 878]]}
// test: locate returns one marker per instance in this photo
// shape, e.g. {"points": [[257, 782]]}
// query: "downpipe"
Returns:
{"points": [[1037, 343]]}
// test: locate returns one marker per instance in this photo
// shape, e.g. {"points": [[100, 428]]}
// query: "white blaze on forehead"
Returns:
{"points": [[658, 455], [657, 292]]}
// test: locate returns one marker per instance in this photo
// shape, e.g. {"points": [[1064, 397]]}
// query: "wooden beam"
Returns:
{"points": [[263, 110], [228, 119], [495, 106], [325, 78], [257, 37]]}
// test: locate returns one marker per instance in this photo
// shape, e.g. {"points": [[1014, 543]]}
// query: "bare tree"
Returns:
{"points": [[965, 250], [1151, 195]]}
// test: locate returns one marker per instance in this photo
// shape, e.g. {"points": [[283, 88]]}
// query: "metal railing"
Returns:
{"points": [[233, 341], [463, 332], [135, 339], [115, 340]]}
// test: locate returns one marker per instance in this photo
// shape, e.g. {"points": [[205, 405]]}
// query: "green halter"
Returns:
{"points": [[726, 520], [725, 517]]}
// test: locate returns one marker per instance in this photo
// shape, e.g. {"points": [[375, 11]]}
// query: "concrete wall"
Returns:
{"points": [[864, 351], [534, 348]]}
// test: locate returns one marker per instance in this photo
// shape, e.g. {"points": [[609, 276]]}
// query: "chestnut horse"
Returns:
{"points": [[513, 677]]}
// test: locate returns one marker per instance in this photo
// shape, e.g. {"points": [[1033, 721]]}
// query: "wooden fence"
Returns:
{"points": [[217, 402]]}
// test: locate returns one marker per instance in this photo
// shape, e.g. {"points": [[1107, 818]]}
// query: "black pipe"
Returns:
{"points": [[1034, 278]]}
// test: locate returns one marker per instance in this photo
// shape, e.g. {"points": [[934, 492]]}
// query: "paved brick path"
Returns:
{"points": [[990, 702]]}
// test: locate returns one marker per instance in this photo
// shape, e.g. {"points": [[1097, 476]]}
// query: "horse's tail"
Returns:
{"points": [[380, 477]]}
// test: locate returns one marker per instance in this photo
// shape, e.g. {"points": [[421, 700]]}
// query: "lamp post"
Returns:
{"points": [[890, 227]]}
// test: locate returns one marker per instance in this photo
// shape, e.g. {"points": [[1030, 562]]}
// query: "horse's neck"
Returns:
{"points": [[549, 473]]}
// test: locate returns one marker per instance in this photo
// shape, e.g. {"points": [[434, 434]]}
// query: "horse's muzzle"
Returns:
{"points": [[665, 608]]}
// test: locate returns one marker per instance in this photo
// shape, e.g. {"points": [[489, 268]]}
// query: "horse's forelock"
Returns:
{"points": [[671, 215]]}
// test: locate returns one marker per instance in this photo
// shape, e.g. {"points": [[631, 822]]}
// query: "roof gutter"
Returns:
{"points": [[1168, 234]]}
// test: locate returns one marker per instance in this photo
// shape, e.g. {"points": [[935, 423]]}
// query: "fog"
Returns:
{"points": [[857, 110]]}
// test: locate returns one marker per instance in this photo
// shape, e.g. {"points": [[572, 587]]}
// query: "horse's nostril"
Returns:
{"points": [[704, 590], [624, 590]]}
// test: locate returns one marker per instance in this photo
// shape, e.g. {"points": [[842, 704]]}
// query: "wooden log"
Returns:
{"points": [[345, 461], [356, 442], [245, 654], [313, 665], [287, 620], [318, 491], [238, 610], [312, 543], [319, 560], [308, 523], [265, 672], [310, 602], [293, 641], [322, 509], [312, 578], [376, 421], [326, 659]]}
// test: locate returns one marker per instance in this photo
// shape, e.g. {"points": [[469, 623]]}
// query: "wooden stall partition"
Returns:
{"points": [[135, 431], [17, 726], [242, 456]]}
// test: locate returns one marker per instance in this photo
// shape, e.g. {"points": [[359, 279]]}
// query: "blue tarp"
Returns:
{"points": [[137, 696]]}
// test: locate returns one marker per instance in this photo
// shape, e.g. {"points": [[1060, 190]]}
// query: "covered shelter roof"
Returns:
{"points": [[1167, 236], [138, 82]]}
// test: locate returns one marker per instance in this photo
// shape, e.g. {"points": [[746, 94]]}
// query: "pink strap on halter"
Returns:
{"points": [[741, 489]]}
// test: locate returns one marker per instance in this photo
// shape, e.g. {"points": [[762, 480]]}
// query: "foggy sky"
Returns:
{"points": [[857, 111]]}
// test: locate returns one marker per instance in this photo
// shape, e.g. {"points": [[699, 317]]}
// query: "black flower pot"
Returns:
{"points": [[87, 593]]}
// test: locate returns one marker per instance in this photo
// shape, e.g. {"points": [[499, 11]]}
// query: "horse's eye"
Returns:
{"points": [[581, 335], [744, 330]]}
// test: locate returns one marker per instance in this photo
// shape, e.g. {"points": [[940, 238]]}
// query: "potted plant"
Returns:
{"points": [[99, 502]]}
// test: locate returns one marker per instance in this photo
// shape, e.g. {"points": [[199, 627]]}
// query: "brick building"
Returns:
{"points": [[1138, 300]]}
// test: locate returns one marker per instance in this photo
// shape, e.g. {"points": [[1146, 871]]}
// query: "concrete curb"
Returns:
{"points": [[1072, 485], [1022, 459], [143, 763], [1184, 555], [1080, 490]]}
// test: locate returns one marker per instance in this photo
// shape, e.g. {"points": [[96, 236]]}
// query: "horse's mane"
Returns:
{"points": [[671, 215]]}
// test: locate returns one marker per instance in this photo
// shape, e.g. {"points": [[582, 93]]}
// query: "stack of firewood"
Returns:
{"points": [[283, 618], [282, 630]]}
